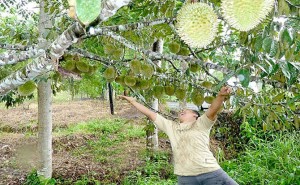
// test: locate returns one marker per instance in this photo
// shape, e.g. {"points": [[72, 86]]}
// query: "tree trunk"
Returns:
{"points": [[45, 129], [44, 104], [111, 100], [157, 47]]}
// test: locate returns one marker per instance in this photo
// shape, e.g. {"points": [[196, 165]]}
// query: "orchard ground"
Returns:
{"points": [[18, 140]]}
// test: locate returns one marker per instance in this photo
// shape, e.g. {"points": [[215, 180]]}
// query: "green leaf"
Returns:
{"points": [[88, 11], [286, 37], [278, 97], [244, 77], [274, 48], [267, 44], [283, 7], [258, 43]]}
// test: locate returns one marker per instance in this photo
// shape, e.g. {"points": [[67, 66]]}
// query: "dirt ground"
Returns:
{"points": [[18, 152]]}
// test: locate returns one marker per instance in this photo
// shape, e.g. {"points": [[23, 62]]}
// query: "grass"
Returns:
{"points": [[112, 135], [158, 169], [268, 162]]}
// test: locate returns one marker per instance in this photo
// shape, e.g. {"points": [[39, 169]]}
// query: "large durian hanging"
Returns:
{"points": [[244, 15], [197, 24]]}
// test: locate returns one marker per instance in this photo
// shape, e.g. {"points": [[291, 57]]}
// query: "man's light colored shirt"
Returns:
{"points": [[190, 145]]}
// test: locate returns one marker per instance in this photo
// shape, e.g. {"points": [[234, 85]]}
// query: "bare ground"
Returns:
{"points": [[18, 152]]}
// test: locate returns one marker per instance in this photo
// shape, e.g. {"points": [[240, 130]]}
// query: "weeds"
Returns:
{"points": [[269, 162]]}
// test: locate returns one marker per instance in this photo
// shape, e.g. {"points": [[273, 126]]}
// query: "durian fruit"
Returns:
{"points": [[130, 80], [27, 88], [82, 66], [120, 79], [244, 15], [147, 70], [184, 51], [117, 54], [109, 49], [135, 66], [207, 84], [197, 24], [197, 98], [209, 99], [169, 90], [144, 84], [110, 74], [174, 47], [180, 93], [69, 65], [194, 67], [92, 69], [158, 91]]}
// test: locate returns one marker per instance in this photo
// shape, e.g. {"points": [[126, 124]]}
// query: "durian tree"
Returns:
{"points": [[207, 44]]}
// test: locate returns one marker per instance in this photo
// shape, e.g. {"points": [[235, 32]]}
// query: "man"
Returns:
{"points": [[193, 161]]}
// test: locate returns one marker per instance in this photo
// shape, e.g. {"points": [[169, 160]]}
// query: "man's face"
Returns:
{"points": [[187, 115]]}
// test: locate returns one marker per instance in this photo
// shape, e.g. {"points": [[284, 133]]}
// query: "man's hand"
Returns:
{"points": [[225, 91], [129, 99]]}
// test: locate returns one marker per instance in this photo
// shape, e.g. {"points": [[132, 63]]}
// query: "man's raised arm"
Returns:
{"points": [[147, 112], [215, 106]]}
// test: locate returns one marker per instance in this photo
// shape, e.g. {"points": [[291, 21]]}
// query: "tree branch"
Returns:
{"points": [[13, 57], [133, 26], [89, 55], [15, 47], [42, 64]]}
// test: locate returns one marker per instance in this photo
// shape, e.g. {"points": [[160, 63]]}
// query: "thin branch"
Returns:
{"points": [[89, 55], [133, 26]]}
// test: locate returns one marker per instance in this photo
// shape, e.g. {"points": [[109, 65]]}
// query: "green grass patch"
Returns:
{"points": [[157, 170], [268, 162], [111, 136]]}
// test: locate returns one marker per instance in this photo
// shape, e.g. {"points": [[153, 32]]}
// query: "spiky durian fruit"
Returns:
{"points": [[158, 91], [170, 90], [197, 24], [130, 80], [184, 51], [209, 99], [207, 84], [82, 66], [120, 79], [69, 65], [147, 70], [135, 66], [197, 98], [245, 14], [194, 67], [27, 88], [180, 93], [174, 47], [144, 84], [110, 74]]}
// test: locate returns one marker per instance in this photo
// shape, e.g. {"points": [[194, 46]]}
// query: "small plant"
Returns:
{"points": [[34, 179]]}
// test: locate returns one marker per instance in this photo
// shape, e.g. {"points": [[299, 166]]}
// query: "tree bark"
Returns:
{"points": [[45, 129], [44, 103], [157, 47], [111, 100]]}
